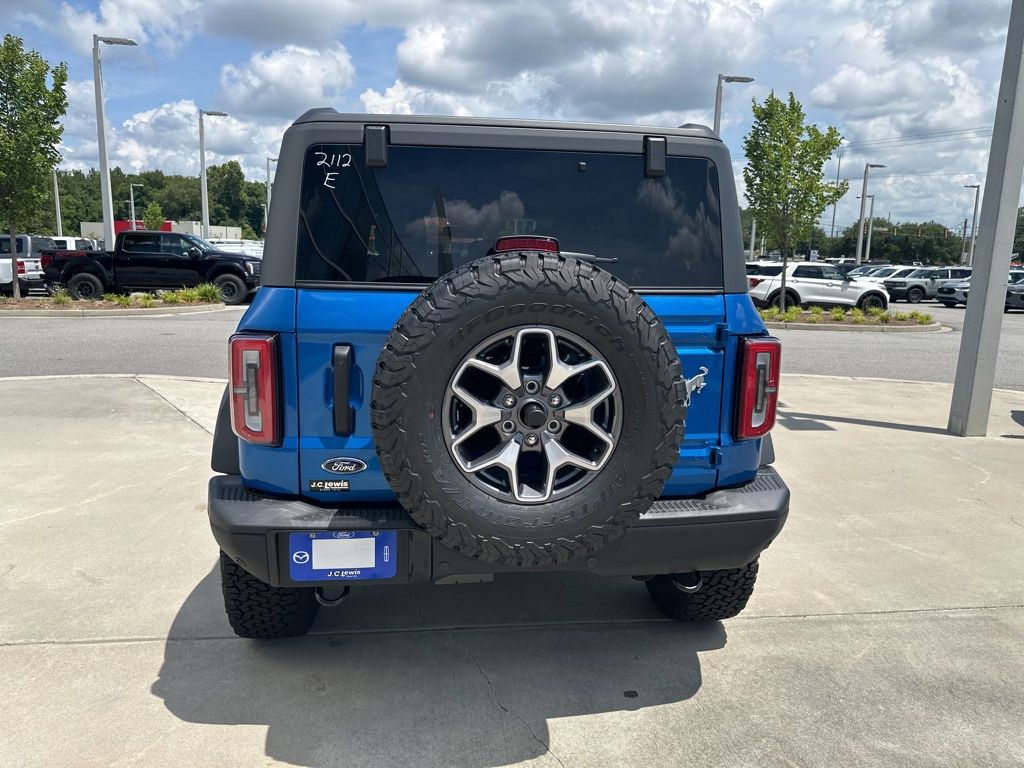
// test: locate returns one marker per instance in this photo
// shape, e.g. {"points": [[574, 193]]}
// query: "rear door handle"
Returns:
{"points": [[344, 415]]}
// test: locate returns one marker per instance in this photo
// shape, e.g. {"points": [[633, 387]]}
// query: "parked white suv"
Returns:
{"points": [[813, 282]]}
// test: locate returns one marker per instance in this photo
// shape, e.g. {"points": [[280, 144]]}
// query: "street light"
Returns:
{"points": [[56, 205], [839, 165], [871, 228], [101, 133], [718, 96], [202, 168], [131, 196], [863, 197], [266, 210], [974, 222]]}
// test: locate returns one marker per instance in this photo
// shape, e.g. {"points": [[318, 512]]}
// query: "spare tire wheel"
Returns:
{"points": [[528, 408]]}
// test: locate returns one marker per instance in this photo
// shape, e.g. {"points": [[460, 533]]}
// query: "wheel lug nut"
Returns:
{"points": [[509, 401], [555, 401], [554, 426], [532, 387], [508, 426], [530, 439]]}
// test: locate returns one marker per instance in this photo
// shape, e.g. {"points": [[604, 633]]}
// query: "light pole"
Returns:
{"points": [[202, 169], [266, 210], [839, 165], [56, 204], [131, 201], [974, 221], [718, 96], [106, 198], [753, 237], [871, 227], [863, 198]]}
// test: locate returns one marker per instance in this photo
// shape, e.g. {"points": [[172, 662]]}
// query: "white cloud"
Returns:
{"points": [[168, 25], [286, 82]]}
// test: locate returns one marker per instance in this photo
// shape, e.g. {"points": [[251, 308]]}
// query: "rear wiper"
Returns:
{"points": [[591, 257]]}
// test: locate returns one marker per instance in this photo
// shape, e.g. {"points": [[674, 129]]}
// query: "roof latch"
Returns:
{"points": [[654, 155]]}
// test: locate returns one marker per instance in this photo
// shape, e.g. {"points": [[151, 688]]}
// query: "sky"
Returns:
{"points": [[909, 83]]}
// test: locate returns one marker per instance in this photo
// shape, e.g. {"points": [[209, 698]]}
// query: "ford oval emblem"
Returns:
{"points": [[344, 465]]}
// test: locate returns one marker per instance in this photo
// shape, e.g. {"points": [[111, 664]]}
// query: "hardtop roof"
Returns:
{"points": [[330, 115]]}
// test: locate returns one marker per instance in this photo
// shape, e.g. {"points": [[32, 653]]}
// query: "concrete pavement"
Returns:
{"points": [[885, 628]]}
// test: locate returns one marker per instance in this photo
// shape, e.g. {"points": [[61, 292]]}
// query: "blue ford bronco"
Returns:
{"points": [[484, 346]]}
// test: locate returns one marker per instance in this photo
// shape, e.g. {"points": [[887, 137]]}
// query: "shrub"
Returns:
{"points": [[817, 311], [814, 319], [921, 318], [147, 300], [838, 313], [900, 316], [772, 313], [61, 297], [792, 314], [190, 295], [208, 292], [876, 312], [882, 317], [170, 297], [858, 317], [121, 299]]}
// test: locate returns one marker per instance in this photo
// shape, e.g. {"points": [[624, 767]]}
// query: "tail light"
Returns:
{"points": [[255, 414], [759, 386], [21, 267], [755, 281], [45, 260], [534, 243]]}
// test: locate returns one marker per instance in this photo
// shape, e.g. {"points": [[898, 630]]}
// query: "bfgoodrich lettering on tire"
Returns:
{"points": [[528, 408]]}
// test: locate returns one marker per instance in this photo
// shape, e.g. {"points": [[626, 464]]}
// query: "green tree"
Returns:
{"points": [[153, 216], [783, 175], [30, 131]]}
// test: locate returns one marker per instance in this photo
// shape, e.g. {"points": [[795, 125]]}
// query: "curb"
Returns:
{"points": [[931, 327], [133, 312]]}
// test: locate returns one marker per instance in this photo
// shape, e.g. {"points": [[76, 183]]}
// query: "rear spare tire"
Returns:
{"points": [[527, 409]]}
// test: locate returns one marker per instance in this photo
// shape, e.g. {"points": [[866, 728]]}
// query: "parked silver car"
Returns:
{"points": [[924, 283]]}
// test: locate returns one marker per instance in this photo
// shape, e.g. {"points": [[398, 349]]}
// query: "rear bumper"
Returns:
{"points": [[726, 528]]}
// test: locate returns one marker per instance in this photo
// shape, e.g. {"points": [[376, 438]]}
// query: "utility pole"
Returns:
{"points": [[963, 246], [56, 204], [753, 238], [983, 320]]}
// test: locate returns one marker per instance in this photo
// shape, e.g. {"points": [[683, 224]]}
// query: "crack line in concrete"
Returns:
{"points": [[497, 700], [149, 388], [496, 627]]}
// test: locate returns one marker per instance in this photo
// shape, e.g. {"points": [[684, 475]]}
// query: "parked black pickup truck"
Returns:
{"points": [[146, 260]]}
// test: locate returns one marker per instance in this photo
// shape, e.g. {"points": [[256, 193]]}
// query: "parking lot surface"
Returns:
{"points": [[885, 628], [196, 345]]}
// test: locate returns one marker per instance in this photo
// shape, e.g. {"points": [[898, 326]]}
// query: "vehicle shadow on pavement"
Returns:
{"points": [[468, 675], [817, 422]]}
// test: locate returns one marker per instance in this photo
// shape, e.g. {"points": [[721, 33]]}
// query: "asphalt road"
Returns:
{"points": [[196, 345]]}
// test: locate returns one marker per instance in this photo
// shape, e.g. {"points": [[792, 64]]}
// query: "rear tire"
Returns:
{"points": [[232, 289], [914, 296], [792, 300], [85, 287], [260, 611], [722, 594], [948, 303]]}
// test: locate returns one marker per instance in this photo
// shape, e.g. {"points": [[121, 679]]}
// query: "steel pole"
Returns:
{"points": [[979, 342], [266, 208], [871, 226], [836, 203], [106, 198], [718, 107], [753, 237], [974, 225], [860, 221], [56, 205], [131, 204], [202, 179]]}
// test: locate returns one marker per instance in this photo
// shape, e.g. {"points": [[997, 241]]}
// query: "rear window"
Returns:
{"points": [[433, 209]]}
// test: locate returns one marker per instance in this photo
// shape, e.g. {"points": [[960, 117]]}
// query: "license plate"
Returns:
{"points": [[342, 555]]}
